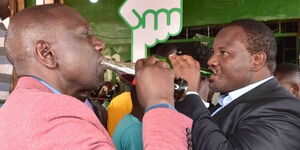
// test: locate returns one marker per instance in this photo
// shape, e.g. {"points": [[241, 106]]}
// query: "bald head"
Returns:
{"points": [[56, 44], [30, 26]]}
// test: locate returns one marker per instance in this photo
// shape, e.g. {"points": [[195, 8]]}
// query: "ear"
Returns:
{"points": [[45, 54], [258, 60], [295, 89]]}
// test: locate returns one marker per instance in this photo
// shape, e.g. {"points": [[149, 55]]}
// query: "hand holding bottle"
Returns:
{"points": [[154, 82], [187, 68]]}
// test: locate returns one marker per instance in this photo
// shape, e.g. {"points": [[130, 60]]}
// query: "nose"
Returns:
{"points": [[98, 44], [212, 61]]}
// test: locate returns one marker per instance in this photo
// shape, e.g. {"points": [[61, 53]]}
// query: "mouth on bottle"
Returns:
{"points": [[102, 60], [205, 73]]}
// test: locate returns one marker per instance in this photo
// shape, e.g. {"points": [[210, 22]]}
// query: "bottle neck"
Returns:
{"points": [[119, 67]]}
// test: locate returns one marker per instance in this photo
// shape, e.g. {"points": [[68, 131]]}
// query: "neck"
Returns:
{"points": [[56, 83], [138, 112], [260, 75]]}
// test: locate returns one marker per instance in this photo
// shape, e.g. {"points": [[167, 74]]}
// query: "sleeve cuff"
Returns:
{"points": [[204, 102], [160, 105], [191, 92]]}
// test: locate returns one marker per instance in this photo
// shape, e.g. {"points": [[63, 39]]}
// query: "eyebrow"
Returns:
{"points": [[82, 27], [222, 48]]}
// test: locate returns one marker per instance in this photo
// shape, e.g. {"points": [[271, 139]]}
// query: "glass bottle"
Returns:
{"points": [[126, 71], [204, 73]]}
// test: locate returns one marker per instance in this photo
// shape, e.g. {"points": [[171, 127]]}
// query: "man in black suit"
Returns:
{"points": [[255, 113]]}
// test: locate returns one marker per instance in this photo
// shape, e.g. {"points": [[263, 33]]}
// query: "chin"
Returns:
{"points": [[214, 87]]}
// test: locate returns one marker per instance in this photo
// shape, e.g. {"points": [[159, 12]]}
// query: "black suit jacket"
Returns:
{"points": [[265, 118]]}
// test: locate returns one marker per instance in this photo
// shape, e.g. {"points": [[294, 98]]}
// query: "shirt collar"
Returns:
{"points": [[5, 22], [51, 88], [225, 100], [89, 103]]}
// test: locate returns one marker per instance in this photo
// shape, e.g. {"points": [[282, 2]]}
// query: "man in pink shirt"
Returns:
{"points": [[57, 57]]}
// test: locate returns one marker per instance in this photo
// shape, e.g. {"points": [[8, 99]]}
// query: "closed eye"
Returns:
{"points": [[222, 52], [85, 33]]}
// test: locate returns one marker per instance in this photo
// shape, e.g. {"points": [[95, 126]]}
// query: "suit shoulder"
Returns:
{"points": [[270, 106]]}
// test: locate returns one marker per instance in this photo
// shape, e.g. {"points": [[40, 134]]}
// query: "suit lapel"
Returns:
{"points": [[253, 94]]}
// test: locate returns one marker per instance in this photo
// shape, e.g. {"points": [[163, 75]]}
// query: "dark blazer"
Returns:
{"points": [[265, 118]]}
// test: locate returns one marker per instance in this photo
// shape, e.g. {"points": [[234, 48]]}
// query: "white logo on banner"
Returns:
{"points": [[151, 21]]}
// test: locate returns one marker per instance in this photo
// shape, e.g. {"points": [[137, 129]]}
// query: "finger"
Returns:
{"points": [[139, 63], [197, 64], [188, 59], [176, 65], [172, 58], [176, 62], [151, 60], [181, 61], [162, 64]]}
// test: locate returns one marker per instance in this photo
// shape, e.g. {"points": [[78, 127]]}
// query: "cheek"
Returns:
{"points": [[75, 64], [236, 73]]}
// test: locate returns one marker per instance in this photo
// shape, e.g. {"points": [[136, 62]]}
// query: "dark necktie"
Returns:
{"points": [[212, 107]]}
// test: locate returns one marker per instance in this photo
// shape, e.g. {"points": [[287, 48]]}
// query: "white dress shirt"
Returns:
{"points": [[225, 100]]}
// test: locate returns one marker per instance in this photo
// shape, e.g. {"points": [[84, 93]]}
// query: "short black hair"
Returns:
{"points": [[199, 52], [287, 69], [165, 50], [259, 39]]}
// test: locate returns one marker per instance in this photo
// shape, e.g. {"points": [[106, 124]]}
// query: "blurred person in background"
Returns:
{"points": [[118, 107], [6, 68], [289, 78], [128, 132]]}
